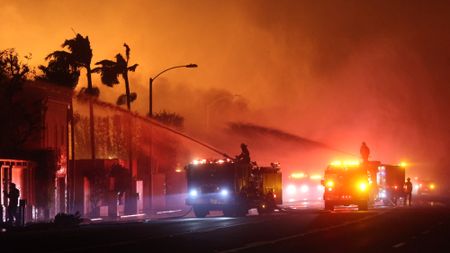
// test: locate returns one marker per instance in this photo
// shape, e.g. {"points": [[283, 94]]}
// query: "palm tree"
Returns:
{"points": [[78, 56], [110, 71], [60, 71]]}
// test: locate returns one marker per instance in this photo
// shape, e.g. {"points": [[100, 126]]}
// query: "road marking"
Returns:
{"points": [[398, 245], [286, 238]]}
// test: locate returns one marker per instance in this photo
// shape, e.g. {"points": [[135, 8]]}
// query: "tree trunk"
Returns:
{"points": [[91, 112], [127, 90]]}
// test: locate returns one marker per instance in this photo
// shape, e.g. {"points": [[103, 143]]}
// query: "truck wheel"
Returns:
{"points": [[200, 212], [363, 206], [262, 210], [241, 211], [329, 205]]}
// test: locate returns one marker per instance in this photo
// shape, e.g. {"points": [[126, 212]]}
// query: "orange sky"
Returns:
{"points": [[337, 73]]}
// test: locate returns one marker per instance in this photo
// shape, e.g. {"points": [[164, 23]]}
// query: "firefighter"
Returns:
{"points": [[365, 152], [408, 191], [244, 157], [243, 161], [13, 197]]}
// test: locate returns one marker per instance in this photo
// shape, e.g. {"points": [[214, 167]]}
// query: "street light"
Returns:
{"points": [[150, 113], [150, 106]]}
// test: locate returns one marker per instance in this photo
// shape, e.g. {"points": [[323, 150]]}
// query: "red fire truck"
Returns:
{"points": [[232, 187], [347, 183]]}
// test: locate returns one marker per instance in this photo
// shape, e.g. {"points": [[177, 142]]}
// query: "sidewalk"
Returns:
{"points": [[152, 215]]}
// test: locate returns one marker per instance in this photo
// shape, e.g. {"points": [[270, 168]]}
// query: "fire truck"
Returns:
{"points": [[347, 183], [390, 181], [232, 187], [361, 184], [301, 186], [425, 187]]}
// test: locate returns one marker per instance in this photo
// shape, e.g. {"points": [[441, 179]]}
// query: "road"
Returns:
{"points": [[424, 228]]}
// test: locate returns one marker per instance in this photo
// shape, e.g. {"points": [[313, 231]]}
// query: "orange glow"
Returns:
{"points": [[403, 164], [239, 34], [432, 186], [329, 184]]}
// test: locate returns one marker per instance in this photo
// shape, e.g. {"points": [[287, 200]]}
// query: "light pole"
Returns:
{"points": [[150, 114], [150, 104]]}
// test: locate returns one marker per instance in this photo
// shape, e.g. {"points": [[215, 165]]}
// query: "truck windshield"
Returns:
{"points": [[346, 175], [210, 174]]}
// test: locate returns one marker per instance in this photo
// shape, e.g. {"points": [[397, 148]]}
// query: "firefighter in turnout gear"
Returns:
{"points": [[244, 157], [408, 191], [365, 152]]}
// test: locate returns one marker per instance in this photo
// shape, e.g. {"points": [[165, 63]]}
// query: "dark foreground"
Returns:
{"points": [[424, 228]]}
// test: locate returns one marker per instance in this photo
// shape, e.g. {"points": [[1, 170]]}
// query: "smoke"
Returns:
{"points": [[336, 72]]}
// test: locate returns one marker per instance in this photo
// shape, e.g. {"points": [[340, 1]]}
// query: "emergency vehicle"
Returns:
{"points": [[362, 183], [301, 186], [347, 183], [232, 187], [390, 182], [425, 187]]}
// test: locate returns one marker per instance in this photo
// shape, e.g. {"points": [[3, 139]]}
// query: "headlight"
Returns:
{"points": [[290, 189], [362, 186], [304, 188], [193, 193], [224, 192]]}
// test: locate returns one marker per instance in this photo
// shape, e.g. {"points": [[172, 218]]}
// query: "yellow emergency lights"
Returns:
{"points": [[348, 163], [298, 175], [362, 186], [329, 184]]}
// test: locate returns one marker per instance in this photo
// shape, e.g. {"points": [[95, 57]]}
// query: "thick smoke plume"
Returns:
{"points": [[338, 72]]}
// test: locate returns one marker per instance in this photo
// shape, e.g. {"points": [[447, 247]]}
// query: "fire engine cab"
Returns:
{"points": [[232, 187], [346, 183]]}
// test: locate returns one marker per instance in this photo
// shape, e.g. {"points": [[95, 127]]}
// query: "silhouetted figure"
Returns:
{"points": [[365, 152], [13, 197], [244, 157], [408, 191]]}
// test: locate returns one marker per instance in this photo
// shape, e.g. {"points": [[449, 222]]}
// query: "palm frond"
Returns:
{"points": [[121, 100], [133, 67], [109, 72], [133, 96], [121, 63], [80, 47], [106, 63], [127, 51], [58, 55]]}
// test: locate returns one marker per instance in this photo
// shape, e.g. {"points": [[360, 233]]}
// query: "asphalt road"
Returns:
{"points": [[421, 228]]}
